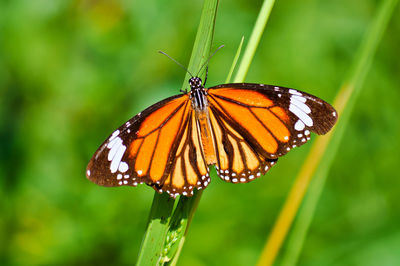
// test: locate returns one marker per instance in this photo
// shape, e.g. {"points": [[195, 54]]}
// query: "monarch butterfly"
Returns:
{"points": [[241, 128]]}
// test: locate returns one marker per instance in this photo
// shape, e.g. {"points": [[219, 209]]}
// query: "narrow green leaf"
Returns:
{"points": [[179, 226], [254, 40], [157, 227], [350, 90], [186, 207], [164, 236], [235, 59]]}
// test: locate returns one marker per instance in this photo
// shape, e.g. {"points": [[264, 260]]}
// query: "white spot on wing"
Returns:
{"points": [[299, 125], [88, 172], [300, 114], [300, 104], [292, 91], [123, 167], [116, 143], [298, 98], [116, 133], [116, 160]]}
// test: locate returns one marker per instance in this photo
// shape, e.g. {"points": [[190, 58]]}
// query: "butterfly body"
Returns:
{"points": [[241, 128], [198, 97]]}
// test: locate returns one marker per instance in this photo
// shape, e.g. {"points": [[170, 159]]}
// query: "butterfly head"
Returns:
{"points": [[195, 83]]}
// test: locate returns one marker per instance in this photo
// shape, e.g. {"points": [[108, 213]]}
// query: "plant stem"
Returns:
{"points": [[157, 226], [183, 213], [235, 59], [318, 161], [254, 40], [345, 101], [164, 235]]}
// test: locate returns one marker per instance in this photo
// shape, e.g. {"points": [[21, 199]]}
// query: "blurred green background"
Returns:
{"points": [[73, 71]]}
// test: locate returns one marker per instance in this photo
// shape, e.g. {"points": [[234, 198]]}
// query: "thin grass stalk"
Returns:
{"points": [[163, 233], [181, 223], [235, 60], [178, 226], [312, 167], [345, 101], [157, 226], [183, 214], [254, 40]]}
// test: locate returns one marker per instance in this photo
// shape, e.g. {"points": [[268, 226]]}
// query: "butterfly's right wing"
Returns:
{"points": [[267, 121]]}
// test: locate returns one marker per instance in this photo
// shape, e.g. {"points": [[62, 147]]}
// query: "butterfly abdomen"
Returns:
{"points": [[207, 141]]}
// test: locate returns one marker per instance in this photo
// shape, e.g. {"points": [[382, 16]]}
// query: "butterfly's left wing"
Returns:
{"points": [[266, 121], [159, 146]]}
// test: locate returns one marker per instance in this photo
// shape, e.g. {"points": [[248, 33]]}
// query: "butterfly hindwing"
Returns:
{"points": [[237, 160], [189, 168]]}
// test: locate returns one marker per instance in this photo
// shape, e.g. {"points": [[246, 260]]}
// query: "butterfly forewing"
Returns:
{"points": [[274, 119], [144, 149], [256, 123]]}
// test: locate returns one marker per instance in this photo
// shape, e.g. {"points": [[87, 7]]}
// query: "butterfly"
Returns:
{"points": [[241, 128]]}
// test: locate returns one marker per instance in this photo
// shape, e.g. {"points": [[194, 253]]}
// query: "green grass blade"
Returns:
{"points": [[352, 87], [180, 222], [235, 59], [185, 210], [186, 207], [317, 162], [203, 41], [254, 40], [164, 236], [157, 227]]}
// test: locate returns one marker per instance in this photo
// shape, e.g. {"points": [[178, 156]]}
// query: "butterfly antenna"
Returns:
{"points": [[179, 64], [208, 60]]}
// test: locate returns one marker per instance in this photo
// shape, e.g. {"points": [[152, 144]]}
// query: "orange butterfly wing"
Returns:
{"points": [[251, 126], [254, 124], [158, 146]]}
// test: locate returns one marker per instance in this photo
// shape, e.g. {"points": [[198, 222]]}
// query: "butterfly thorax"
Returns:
{"points": [[198, 97], [197, 94]]}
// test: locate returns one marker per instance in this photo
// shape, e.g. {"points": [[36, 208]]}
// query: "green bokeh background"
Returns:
{"points": [[73, 71]]}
